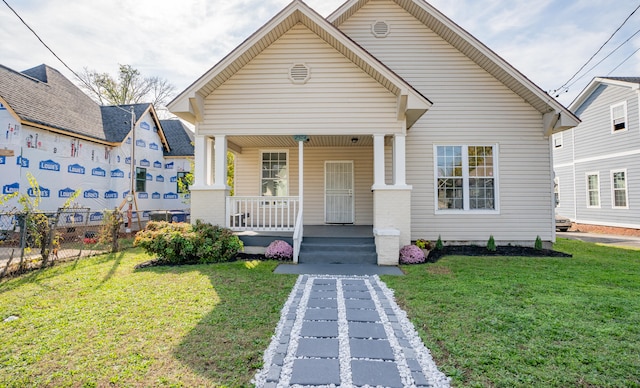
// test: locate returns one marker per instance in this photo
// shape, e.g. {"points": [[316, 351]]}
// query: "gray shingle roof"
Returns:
{"points": [[180, 138], [116, 120], [42, 95], [635, 80]]}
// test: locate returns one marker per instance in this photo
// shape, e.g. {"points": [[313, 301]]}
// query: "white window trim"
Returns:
{"points": [[556, 189], [626, 117], [465, 179], [273, 151], [626, 189], [558, 136], [586, 180]]}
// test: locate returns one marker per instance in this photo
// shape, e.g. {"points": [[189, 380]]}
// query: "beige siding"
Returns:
{"points": [[247, 178], [470, 107], [338, 98]]}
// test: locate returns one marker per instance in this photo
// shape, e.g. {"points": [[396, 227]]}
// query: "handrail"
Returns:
{"points": [[262, 213], [297, 237]]}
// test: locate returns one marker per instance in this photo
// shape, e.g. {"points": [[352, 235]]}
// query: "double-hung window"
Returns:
{"points": [[619, 117], [275, 174], [619, 188], [141, 180], [593, 189], [466, 177]]}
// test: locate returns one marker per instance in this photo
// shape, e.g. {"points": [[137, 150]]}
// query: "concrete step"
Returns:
{"points": [[336, 250]]}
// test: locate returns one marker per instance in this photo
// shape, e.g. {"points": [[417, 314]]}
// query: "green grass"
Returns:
{"points": [[525, 322], [99, 322]]}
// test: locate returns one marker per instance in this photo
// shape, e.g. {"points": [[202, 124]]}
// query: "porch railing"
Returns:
{"points": [[262, 213]]}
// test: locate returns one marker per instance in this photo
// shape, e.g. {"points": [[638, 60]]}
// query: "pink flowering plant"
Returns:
{"points": [[411, 254], [279, 250]]}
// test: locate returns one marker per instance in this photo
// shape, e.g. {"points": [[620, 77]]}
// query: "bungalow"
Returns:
{"points": [[386, 115], [55, 132]]}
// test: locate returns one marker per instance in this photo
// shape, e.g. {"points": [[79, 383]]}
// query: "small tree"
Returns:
{"points": [[538, 244], [491, 244], [110, 228], [439, 244]]}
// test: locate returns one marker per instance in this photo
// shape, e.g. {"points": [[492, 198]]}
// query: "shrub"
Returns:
{"points": [[538, 244], [491, 244], [182, 243], [424, 244], [279, 250], [439, 244], [411, 254]]}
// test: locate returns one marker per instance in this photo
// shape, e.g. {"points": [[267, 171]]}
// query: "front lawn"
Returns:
{"points": [[99, 322], [530, 322]]}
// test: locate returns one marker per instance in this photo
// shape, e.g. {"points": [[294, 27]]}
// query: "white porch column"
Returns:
{"points": [[378, 162], [202, 169], [300, 173], [399, 160], [220, 176]]}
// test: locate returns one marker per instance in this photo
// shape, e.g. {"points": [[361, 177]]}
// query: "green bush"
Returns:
{"points": [[491, 244], [538, 244], [439, 244], [182, 243]]}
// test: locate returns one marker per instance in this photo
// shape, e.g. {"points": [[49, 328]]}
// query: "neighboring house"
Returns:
{"points": [[596, 163], [52, 130], [386, 114]]}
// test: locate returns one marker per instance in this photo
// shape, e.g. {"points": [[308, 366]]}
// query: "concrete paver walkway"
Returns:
{"points": [[346, 331]]}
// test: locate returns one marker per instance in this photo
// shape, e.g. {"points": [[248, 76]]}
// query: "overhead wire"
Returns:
{"points": [[622, 63], [53, 52], [564, 86]]}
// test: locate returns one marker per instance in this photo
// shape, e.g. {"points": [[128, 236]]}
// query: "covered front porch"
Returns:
{"points": [[377, 205]]}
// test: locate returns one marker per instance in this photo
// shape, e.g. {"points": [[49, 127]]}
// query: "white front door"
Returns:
{"points": [[338, 192]]}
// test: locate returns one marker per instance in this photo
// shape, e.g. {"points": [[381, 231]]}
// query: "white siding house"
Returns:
{"points": [[596, 163], [387, 114]]}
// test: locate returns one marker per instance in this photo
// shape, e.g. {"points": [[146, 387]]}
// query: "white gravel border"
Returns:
{"points": [[305, 283]]}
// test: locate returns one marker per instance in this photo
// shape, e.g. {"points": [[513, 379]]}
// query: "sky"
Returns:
{"points": [[179, 40]]}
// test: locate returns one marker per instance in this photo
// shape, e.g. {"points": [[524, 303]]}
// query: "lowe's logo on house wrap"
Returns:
{"points": [[117, 173], [145, 214], [141, 143], [3, 160], [76, 169], [44, 193], [127, 160], [171, 196], [98, 172], [149, 177], [97, 216], [173, 179], [157, 164], [128, 140], [169, 166], [74, 218], [124, 195], [49, 165], [145, 125], [143, 196], [66, 193], [155, 195], [91, 194], [22, 162], [159, 178], [111, 194], [10, 189], [145, 163], [153, 146]]}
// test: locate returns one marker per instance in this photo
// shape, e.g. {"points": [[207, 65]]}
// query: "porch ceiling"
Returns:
{"points": [[288, 142]]}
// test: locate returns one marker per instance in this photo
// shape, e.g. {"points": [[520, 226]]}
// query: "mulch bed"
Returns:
{"points": [[506, 250]]}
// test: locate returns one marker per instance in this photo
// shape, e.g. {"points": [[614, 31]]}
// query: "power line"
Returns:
{"points": [[603, 59], [52, 52], [598, 51], [626, 59]]}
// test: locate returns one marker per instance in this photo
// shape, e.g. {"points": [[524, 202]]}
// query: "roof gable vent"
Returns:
{"points": [[299, 73], [380, 29]]}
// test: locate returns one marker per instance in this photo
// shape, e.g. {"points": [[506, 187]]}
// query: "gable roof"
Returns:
{"points": [[180, 138], [628, 82], [557, 116], [189, 104], [43, 97]]}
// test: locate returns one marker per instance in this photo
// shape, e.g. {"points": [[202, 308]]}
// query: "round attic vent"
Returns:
{"points": [[380, 29], [299, 73]]}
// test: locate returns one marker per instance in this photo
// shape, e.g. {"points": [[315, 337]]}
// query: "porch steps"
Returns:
{"points": [[338, 250]]}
